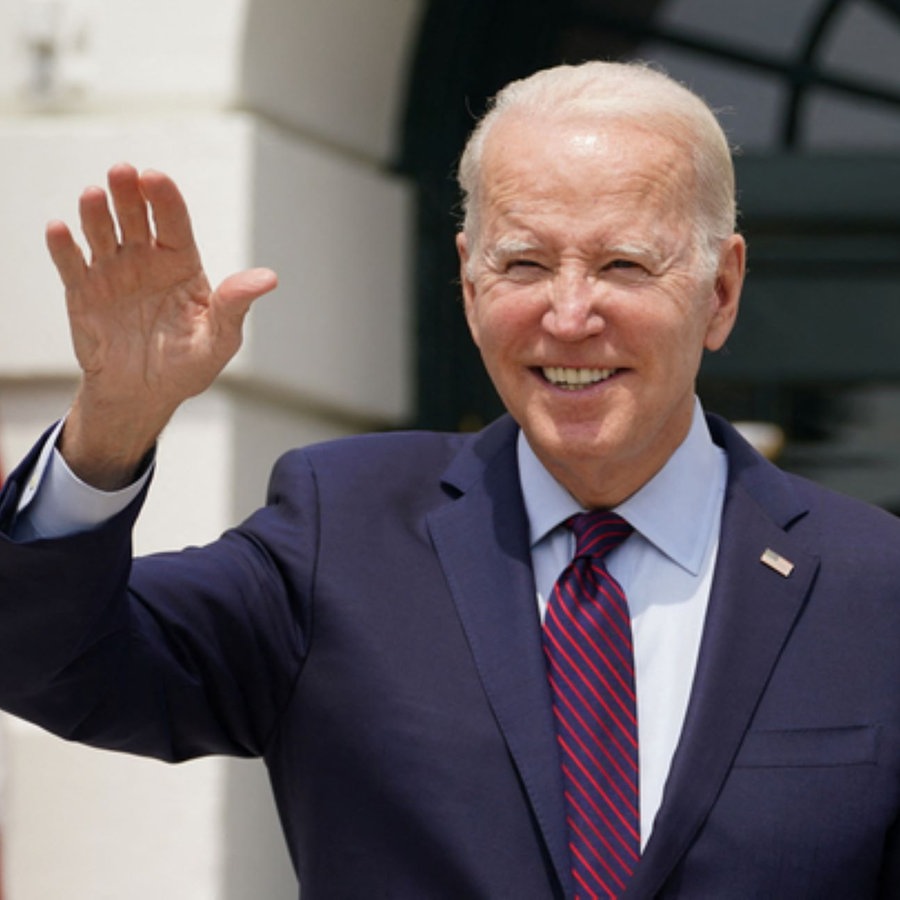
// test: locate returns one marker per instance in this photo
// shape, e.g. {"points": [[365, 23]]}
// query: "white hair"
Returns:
{"points": [[625, 91]]}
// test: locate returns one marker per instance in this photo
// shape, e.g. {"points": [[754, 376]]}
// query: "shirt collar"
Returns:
{"points": [[691, 482]]}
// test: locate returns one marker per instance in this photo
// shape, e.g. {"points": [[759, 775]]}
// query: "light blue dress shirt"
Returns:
{"points": [[56, 502], [665, 569]]}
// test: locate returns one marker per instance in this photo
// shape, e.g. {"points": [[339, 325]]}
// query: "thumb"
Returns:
{"points": [[235, 294]]}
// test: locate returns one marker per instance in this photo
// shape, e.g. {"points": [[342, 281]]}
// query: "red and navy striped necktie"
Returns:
{"points": [[590, 664]]}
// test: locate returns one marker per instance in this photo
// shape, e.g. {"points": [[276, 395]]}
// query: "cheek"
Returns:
{"points": [[501, 319], [668, 339]]}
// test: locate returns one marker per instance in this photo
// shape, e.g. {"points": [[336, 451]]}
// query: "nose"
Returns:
{"points": [[573, 312]]}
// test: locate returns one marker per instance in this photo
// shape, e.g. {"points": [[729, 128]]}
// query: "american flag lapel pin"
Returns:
{"points": [[776, 561]]}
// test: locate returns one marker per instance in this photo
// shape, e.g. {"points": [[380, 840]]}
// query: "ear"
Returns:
{"points": [[468, 286], [726, 294]]}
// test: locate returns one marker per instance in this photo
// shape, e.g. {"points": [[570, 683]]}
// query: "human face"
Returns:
{"points": [[589, 298]]}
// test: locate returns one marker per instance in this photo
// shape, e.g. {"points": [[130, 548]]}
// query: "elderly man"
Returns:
{"points": [[703, 702]]}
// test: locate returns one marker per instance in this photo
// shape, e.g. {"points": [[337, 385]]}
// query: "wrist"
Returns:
{"points": [[108, 449]]}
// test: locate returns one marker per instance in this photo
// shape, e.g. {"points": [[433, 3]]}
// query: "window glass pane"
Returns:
{"points": [[771, 26], [838, 122], [864, 42]]}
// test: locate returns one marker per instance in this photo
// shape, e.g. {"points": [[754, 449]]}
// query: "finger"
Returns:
{"points": [[237, 292], [65, 253], [97, 223], [170, 214], [129, 204]]}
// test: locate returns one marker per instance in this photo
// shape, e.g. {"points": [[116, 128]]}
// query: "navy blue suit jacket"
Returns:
{"points": [[373, 634]]}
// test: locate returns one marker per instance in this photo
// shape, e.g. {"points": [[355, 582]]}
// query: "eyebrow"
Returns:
{"points": [[639, 250], [507, 247]]}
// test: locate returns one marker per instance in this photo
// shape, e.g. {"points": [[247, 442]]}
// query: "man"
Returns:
{"points": [[375, 632]]}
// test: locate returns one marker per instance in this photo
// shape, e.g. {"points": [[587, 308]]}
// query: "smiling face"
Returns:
{"points": [[590, 297]]}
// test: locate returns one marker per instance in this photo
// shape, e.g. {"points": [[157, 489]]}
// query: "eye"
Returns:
{"points": [[524, 269], [626, 269]]}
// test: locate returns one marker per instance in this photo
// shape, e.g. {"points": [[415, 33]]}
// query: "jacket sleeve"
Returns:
{"points": [[172, 656]]}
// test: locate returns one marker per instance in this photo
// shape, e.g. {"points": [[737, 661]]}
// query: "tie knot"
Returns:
{"points": [[598, 532]]}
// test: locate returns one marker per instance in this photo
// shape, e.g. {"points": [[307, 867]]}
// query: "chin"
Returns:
{"points": [[566, 442]]}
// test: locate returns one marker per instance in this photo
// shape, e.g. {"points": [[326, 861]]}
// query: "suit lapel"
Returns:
{"points": [[752, 609], [482, 542]]}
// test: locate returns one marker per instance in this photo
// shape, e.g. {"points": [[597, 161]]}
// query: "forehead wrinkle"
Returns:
{"points": [[543, 204]]}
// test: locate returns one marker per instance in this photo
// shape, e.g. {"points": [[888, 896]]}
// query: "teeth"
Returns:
{"points": [[573, 379]]}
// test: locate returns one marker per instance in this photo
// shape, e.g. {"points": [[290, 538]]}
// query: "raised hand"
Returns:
{"points": [[148, 330]]}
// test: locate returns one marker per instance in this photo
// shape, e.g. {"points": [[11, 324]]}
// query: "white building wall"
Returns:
{"points": [[277, 118]]}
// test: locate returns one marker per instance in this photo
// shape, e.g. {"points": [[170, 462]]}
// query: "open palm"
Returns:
{"points": [[147, 328]]}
